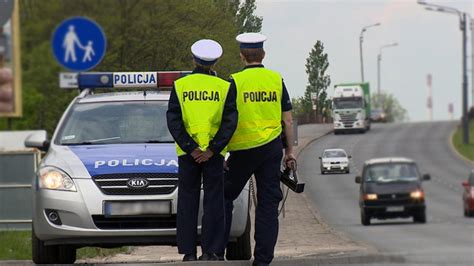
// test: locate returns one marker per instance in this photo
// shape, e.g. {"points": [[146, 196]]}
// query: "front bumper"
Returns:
{"points": [[335, 168], [349, 125], [82, 212], [389, 210]]}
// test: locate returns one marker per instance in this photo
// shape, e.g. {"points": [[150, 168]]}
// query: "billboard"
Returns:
{"points": [[10, 64]]}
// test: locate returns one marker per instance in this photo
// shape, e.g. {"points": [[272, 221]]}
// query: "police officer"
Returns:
{"points": [[256, 148], [202, 117]]}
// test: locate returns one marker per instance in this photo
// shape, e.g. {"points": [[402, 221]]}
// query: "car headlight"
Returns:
{"points": [[370, 196], [417, 194], [55, 179]]}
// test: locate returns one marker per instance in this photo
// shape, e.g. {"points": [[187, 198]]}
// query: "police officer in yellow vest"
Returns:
{"points": [[202, 117], [256, 148]]}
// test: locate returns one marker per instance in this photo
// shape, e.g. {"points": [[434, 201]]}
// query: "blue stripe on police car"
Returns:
{"points": [[127, 158]]}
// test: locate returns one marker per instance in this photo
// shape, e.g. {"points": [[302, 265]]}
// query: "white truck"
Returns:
{"points": [[351, 108]]}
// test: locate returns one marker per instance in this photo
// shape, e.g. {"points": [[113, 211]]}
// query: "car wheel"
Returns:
{"points": [[364, 218], [42, 254], [322, 172], [420, 217], [466, 212], [348, 171], [241, 249]]}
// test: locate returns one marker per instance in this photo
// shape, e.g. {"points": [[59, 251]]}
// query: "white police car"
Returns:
{"points": [[110, 174]]}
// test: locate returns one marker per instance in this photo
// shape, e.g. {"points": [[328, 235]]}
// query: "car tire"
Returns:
{"points": [[420, 217], [364, 218], [42, 254], [241, 249], [323, 173], [348, 171]]}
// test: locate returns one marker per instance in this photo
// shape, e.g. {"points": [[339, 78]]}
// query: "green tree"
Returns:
{"points": [[318, 80], [142, 35], [244, 14], [394, 112]]}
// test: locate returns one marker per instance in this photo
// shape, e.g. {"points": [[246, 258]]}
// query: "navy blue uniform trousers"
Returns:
{"points": [[264, 162], [189, 190]]}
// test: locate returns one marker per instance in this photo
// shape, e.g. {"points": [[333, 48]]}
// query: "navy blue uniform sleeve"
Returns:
{"points": [[176, 127], [228, 123], [285, 99]]}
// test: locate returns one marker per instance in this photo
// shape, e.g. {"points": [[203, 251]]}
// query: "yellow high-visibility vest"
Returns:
{"points": [[259, 93], [202, 98]]}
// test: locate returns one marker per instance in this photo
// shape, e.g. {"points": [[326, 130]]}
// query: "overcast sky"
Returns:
{"points": [[429, 42]]}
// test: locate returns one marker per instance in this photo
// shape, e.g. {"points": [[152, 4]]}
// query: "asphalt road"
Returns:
{"points": [[446, 238]]}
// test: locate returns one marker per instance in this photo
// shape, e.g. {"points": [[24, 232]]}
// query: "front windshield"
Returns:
{"points": [[348, 103], [334, 154], [391, 172], [118, 122]]}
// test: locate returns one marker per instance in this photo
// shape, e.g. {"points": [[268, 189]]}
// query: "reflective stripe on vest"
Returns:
{"points": [[259, 93], [202, 98]]}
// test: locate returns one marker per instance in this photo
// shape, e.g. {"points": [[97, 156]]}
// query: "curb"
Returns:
{"points": [[455, 151]]}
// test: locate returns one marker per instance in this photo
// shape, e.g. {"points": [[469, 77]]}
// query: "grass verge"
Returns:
{"points": [[16, 245], [467, 150]]}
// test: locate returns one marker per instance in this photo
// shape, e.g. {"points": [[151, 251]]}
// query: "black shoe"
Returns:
{"points": [[208, 256], [189, 257]]}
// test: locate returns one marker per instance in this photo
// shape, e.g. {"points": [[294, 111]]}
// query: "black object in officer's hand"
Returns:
{"points": [[290, 178]]}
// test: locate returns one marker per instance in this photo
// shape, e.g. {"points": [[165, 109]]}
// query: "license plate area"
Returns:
{"points": [[395, 209], [136, 208]]}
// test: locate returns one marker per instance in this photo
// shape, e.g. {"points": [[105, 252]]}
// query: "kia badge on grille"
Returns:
{"points": [[137, 182]]}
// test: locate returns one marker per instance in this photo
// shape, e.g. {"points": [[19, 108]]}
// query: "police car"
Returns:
{"points": [[110, 174]]}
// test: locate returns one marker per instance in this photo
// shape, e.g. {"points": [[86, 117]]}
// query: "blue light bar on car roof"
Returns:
{"points": [[160, 79]]}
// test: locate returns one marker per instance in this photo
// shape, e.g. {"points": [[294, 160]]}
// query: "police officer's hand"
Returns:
{"points": [[196, 153], [290, 160], [205, 156]]}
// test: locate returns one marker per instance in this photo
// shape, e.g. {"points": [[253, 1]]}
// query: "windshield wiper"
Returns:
{"points": [[90, 142], [159, 141]]}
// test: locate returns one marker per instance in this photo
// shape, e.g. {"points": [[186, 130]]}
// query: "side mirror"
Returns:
{"points": [[38, 141], [350, 156], [358, 179], [426, 177], [320, 158], [465, 183]]}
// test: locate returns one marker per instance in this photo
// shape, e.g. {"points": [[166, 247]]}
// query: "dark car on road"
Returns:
{"points": [[391, 188], [468, 196]]}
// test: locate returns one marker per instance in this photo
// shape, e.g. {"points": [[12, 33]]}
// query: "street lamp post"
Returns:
{"points": [[463, 26], [379, 59], [361, 40]]}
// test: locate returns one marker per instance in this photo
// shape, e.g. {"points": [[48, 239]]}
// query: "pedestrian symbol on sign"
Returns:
{"points": [[79, 44]]}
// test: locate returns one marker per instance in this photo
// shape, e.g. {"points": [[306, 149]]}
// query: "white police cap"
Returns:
{"points": [[206, 52], [251, 40]]}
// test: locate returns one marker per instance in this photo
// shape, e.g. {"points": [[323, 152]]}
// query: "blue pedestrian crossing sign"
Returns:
{"points": [[79, 44]]}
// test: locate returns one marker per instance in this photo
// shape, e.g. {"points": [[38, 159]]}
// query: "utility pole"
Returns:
{"points": [[361, 40], [379, 59], [472, 61], [465, 119], [463, 26]]}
